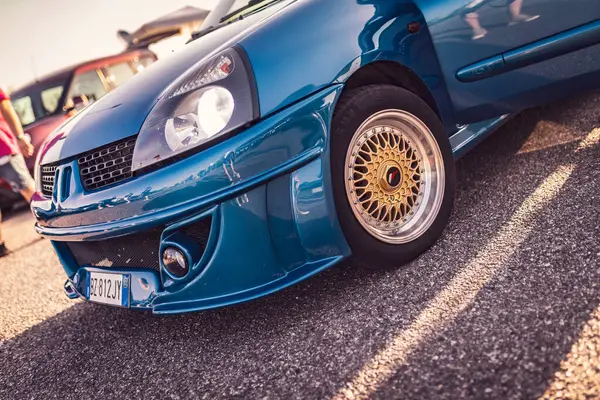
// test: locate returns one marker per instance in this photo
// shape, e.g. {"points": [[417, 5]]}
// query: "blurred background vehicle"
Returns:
{"points": [[46, 103], [166, 33]]}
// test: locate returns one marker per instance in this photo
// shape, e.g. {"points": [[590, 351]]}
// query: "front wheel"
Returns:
{"points": [[393, 174]]}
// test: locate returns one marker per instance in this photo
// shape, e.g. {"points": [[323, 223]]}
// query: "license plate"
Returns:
{"points": [[107, 288]]}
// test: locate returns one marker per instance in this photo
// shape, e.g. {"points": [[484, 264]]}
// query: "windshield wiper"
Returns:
{"points": [[250, 5], [199, 34], [223, 21]]}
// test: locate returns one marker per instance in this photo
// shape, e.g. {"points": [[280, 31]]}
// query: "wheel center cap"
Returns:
{"points": [[391, 178]]}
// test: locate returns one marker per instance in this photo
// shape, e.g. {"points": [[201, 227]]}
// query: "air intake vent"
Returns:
{"points": [[106, 165], [199, 231], [138, 250], [47, 176], [132, 251]]}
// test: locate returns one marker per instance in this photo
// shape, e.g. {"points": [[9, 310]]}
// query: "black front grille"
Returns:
{"points": [[106, 165], [132, 251], [48, 172]]}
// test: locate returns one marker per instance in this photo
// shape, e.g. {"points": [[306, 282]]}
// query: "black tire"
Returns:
{"points": [[355, 107]]}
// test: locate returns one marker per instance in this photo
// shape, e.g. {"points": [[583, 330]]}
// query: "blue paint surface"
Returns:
{"points": [[510, 92], [267, 188]]}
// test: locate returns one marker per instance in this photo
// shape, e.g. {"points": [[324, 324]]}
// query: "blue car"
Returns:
{"points": [[294, 136]]}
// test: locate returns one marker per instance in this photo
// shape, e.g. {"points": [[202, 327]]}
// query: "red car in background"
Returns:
{"points": [[43, 105]]}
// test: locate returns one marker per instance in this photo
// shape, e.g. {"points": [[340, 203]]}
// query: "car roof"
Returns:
{"points": [[65, 73], [58, 76]]}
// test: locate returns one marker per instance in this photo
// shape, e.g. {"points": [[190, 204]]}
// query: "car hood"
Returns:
{"points": [[121, 113]]}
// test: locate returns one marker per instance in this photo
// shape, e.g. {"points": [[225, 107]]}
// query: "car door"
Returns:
{"points": [[500, 56]]}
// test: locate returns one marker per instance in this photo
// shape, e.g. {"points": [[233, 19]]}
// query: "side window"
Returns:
{"points": [[88, 85], [50, 98], [116, 74], [24, 109]]}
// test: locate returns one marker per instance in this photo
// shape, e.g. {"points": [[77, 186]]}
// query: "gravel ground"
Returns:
{"points": [[505, 305]]}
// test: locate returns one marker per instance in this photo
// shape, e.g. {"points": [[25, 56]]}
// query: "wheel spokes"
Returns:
{"points": [[386, 145]]}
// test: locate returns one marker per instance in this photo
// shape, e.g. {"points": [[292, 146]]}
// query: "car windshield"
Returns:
{"points": [[39, 100]]}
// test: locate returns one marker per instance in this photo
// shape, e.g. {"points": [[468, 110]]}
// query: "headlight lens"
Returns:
{"points": [[208, 101], [219, 105]]}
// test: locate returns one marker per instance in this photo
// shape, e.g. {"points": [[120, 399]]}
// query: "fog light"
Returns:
{"points": [[175, 262]]}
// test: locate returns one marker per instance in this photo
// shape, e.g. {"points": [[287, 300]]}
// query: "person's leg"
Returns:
{"points": [[3, 250], [514, 8], [18, 175], [15, 172], [27, 193], [472, 19]]}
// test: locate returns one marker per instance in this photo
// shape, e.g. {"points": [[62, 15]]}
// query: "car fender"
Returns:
{"points": [[293, 58]]}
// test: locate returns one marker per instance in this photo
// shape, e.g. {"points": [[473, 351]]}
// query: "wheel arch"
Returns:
{"points": [[388, 72]]}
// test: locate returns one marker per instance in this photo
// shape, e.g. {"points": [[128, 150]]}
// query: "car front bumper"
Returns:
{"points": [[265, 190]]}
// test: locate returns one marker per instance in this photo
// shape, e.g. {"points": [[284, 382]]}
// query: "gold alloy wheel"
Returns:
{"points": [[394, 176]]}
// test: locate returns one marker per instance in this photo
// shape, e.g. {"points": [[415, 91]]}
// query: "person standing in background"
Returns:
{"points": [[13, 146]]}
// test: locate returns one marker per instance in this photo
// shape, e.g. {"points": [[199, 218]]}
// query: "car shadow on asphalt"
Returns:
{"points": [[511, 339], [25, 245], [311, 340]]}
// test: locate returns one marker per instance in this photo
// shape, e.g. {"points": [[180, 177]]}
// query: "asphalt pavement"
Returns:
{"points": [[506, 305]]}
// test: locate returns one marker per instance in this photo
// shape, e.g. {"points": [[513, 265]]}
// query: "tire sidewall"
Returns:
{"points": [[355, 107]]}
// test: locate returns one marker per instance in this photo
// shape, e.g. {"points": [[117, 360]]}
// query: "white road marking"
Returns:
{"points": [[459, 293]]}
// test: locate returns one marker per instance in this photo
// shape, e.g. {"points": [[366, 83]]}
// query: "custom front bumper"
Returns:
{"points": [[262, 195]]}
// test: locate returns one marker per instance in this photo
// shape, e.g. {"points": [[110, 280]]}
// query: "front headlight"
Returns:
{"points": [[210, 100]]}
